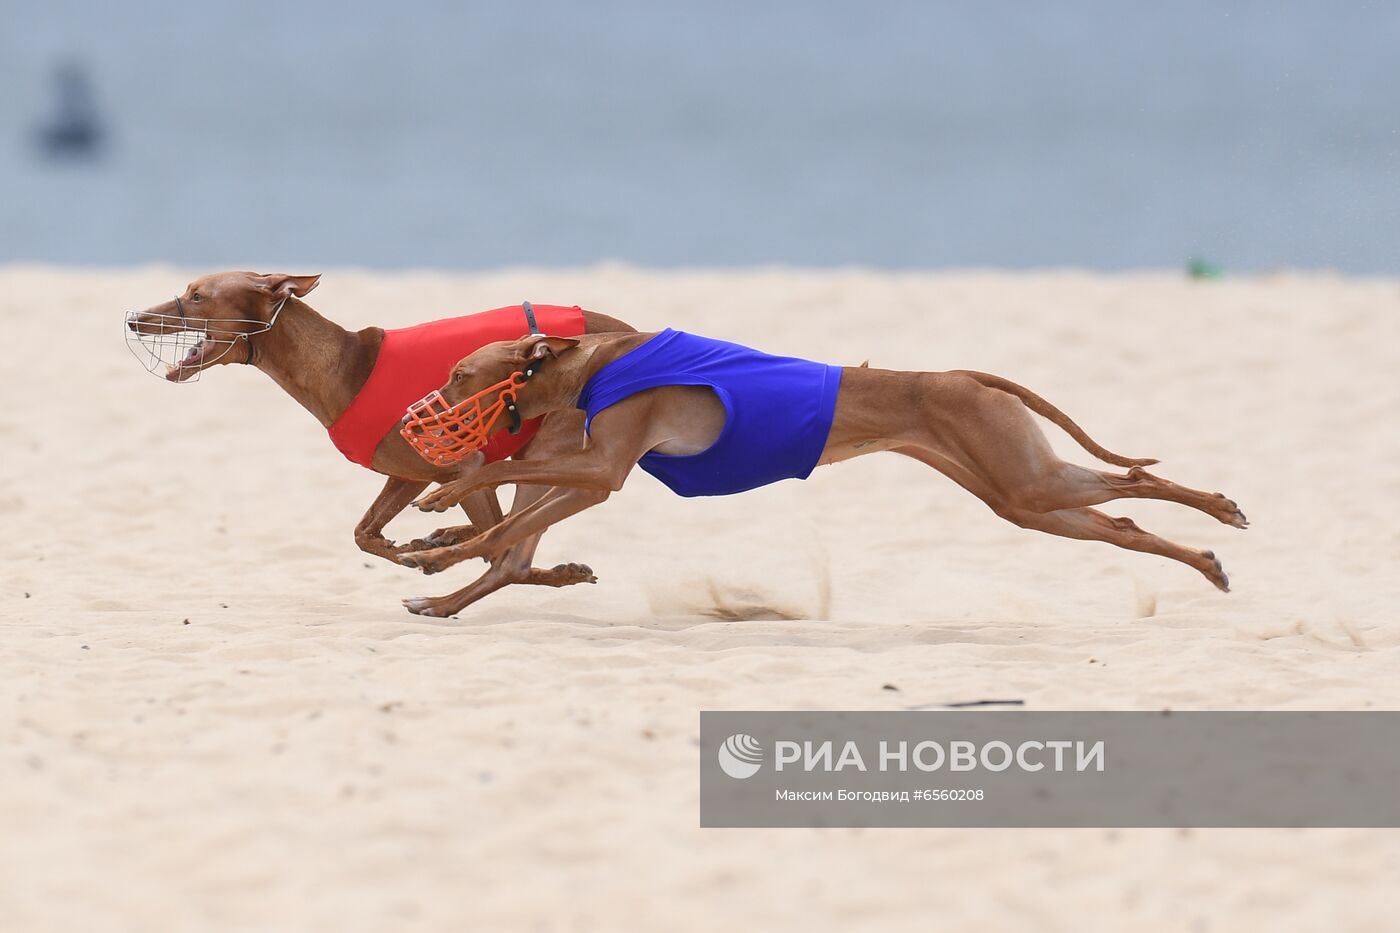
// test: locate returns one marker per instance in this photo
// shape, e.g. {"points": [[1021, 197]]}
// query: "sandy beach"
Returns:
{"points": [[216, 714]]}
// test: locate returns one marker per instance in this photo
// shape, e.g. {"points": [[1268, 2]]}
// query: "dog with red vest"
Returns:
{"points": [[358, 386]]}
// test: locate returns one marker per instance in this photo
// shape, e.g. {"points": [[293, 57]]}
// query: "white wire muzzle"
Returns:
{"points": [[168, 345]]}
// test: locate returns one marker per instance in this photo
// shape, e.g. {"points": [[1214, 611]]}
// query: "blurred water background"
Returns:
{"points": [[896, 134]]}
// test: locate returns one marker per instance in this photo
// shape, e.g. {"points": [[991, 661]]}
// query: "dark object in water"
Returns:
{"points": [[1198, 268], [72, 128]]}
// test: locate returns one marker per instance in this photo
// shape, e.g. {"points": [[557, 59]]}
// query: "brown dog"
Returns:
{"points": [[973, 427], [261, 320]]}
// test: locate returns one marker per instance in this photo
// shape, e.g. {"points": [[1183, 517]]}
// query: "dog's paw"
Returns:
{"points": [[427, 606], [446, 537], [443, 537], [1214, 572], [419, 561], [411, 562], [445, 497], [1226, 511], [577, 573], [562, 575], [439, 559]]}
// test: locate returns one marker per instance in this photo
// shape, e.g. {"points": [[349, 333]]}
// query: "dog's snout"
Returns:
{"points": [[152, 323]]}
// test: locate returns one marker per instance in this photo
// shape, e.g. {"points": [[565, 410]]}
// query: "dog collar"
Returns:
{"points": [[527, 372], [248, 338]]}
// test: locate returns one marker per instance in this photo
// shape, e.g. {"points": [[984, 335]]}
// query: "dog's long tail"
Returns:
{"points": [[1043, 408]]}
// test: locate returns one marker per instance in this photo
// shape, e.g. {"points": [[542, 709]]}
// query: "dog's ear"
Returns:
{"points": [[288, 286], [539, 346]]}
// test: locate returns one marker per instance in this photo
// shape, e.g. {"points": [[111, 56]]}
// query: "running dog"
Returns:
{"points": [[708, 417], [358, 384]]}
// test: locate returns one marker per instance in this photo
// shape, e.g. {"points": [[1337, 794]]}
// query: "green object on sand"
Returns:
{"points": [[1198, 268]]}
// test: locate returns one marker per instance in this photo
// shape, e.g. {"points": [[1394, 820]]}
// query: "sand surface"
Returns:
{"points": [[216, 715]]}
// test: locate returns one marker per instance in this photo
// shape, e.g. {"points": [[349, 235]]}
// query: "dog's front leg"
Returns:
{"points": [[586, 477], [582, 480], [621, 435], [397, 493], [581, 471], [392, 499], [556, 505]]}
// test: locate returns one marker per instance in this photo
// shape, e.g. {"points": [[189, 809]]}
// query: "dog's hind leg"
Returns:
{"points": [[1084, 524], [501, 573], [1067, 486], [517, 560], [512, 566], [561, 434], [444, 606], [985, 436], [1093, 525]]}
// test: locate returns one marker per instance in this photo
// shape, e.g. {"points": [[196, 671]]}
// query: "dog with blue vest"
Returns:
{"points": [[709, 418]]}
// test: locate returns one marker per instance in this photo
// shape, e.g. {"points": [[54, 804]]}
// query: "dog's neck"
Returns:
{"points": [[561, 380], [316, 361]]}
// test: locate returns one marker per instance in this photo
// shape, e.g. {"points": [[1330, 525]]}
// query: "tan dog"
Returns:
{"points": [[973, 427], [264, 322]]}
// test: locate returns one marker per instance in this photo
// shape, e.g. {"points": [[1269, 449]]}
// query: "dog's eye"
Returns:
{"points": [[194, 297], [458, 377]]}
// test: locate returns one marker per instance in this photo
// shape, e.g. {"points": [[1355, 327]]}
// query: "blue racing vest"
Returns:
{"points": [[778, 410]]}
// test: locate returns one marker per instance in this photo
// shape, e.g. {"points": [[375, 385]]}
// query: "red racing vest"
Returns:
{"points": [[414, 361]]}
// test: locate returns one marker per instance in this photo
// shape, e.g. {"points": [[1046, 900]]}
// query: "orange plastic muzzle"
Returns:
{"points": [[444, 434]]}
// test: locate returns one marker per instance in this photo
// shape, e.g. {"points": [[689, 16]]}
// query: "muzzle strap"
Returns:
{"points": [[248, 338]]}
